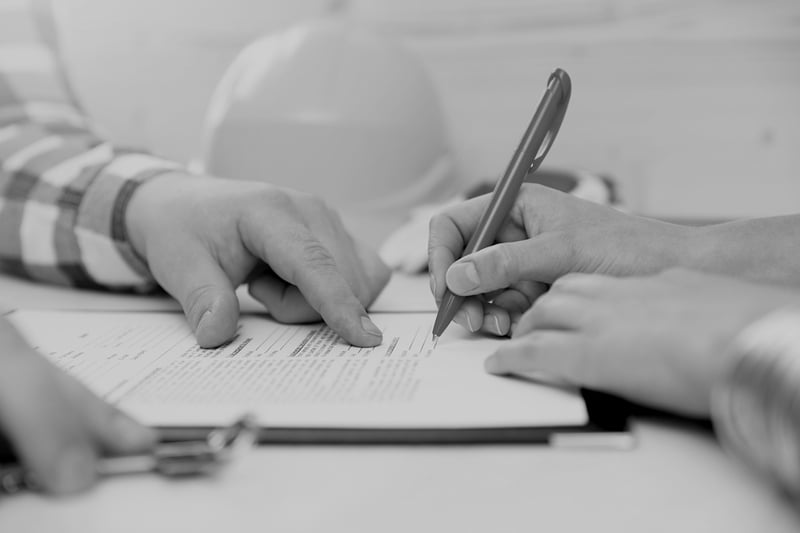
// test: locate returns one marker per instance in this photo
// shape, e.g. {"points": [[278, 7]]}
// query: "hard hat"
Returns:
{"points": [[336, 110]]}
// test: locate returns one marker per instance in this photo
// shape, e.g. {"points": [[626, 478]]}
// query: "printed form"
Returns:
{"points": [[293, 375]]}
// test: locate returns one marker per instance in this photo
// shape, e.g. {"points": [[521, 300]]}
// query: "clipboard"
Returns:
{"points": [[603, 422], [608, 427]]}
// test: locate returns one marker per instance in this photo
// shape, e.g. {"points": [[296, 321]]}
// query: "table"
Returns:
{"points": [[677, 479]]}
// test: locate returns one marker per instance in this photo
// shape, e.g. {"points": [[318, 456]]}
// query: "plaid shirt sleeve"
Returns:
{"points": [[63, 188]]}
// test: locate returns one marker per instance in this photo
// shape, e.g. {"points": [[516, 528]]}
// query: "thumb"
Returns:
{"points": [[205, 293], [541, 258]]}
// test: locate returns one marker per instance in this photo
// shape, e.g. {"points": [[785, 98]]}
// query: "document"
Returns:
{"points": [[293, 376]]}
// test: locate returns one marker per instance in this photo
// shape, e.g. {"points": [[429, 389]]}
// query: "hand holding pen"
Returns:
{"points": [[535, 143]]}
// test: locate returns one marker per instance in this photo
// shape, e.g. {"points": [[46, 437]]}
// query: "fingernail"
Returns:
{"points": [[497, 325], [433, 285], [206, 315], [469, 323], [370, 327], [460, 319], [75, 470], [463, 277]]}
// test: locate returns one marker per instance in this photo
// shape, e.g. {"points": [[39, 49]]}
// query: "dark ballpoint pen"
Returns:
{"points": [[532, 149]]}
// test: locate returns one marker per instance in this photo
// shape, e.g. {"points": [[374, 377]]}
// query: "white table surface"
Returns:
{"points": [[676, 479]]}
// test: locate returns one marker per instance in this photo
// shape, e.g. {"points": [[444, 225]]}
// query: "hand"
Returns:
{"points": [[57, 427], [657, 340], [202, 237], [547, 234]]}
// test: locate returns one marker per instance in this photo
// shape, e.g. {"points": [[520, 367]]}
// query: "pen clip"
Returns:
{"points": [[559, 81]]}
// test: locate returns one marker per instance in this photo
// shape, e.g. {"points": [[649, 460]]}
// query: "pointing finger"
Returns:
{"points": [[300, 259]]}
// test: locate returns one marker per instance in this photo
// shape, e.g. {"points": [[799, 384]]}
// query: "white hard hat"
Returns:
{"points": [[335, 110]]}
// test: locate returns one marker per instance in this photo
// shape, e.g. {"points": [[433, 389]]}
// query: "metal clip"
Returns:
{"points": [[170, 459]]}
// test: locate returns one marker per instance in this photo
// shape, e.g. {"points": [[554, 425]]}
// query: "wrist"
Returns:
{"points": [[661, 245], [728, 249], [145, 205], [693, 248]]}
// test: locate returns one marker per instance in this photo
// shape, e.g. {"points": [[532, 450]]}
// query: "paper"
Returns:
{"points": [[293, 375]]}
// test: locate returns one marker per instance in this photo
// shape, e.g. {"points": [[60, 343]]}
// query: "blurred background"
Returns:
{"points": [[693, 106]]}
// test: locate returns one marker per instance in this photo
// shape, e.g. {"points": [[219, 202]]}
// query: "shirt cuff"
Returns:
{"points": [[756, 410], [106, 252]]}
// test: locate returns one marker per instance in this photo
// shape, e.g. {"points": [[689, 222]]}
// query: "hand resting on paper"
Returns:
{"points": [[203, 236], [661, 340]]}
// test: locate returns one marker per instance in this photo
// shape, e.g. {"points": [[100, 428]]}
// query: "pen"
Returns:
{"points": [[535, 144]]}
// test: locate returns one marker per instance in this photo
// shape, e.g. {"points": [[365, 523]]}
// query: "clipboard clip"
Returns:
{"points": [[201, 457], [176, 459]]}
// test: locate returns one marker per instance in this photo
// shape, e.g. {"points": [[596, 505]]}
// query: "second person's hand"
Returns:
{"points": [[58, 429], [203, 236], [658, 340]]}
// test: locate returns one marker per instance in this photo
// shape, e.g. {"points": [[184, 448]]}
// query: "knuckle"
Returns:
{"points": [[315, 254], [436, 221], [332, 214], [534, 342], [277, 197], [313, 201], [565, 282], [535, 193], [505, 264], [570, 250]]}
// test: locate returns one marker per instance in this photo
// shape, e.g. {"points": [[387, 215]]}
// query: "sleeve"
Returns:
{"points": [[64, 189], [756, 411]]}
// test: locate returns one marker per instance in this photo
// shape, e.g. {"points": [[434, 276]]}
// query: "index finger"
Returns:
{"points": [[449, 233], [299, 258]]}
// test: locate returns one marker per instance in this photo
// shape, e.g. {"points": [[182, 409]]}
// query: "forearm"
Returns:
{"points": [[763, 249], [63, 188], [756, 411]]}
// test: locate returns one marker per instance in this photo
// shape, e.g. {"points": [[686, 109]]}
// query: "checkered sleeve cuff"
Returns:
{"points": [[62, 209]]}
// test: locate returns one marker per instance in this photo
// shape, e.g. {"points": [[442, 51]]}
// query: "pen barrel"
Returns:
{"points": [[529, 154]]}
